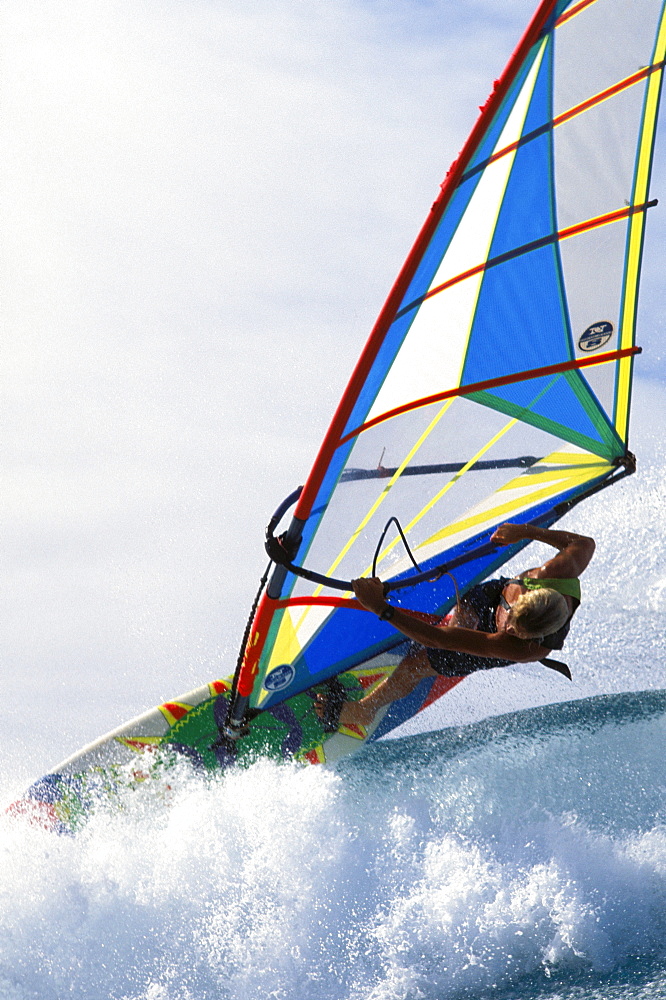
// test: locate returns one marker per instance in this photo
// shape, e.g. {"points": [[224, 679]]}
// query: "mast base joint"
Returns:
{"points": [[234, 731]]}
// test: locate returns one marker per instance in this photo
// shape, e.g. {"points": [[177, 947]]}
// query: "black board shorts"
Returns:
{"points": [[484, 598]]}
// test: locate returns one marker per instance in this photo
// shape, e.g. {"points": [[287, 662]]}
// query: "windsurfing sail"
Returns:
{"points": [[496, 383]]}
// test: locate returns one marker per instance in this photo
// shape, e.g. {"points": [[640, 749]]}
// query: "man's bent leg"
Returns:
{"points": [[410, 671]]}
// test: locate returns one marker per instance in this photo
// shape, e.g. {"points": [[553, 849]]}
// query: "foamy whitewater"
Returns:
{"points": [[522, 856]]}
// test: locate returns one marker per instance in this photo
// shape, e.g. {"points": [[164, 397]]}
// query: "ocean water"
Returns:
{"points": [[522, 856]]}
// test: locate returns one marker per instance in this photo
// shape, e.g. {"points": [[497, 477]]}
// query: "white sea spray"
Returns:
{"points": [[414, 872]]}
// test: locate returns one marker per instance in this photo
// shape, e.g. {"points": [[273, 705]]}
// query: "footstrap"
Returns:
{"points": [[335, 699]]}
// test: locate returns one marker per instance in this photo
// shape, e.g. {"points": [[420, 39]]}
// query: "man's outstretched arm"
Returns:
{"points": [[575, 551]]}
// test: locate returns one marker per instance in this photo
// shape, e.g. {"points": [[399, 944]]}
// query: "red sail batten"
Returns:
{"points": [[493, 383]]}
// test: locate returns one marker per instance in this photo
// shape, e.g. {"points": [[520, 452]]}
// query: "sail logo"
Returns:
{"points": [[596, 336], [280, 677]]}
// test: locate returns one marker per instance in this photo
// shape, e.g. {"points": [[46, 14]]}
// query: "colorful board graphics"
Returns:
{"points": [[145, 750], [496, 384]]}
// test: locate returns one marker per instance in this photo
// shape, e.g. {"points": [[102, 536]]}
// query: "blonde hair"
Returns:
{"points": [[539, 613]]}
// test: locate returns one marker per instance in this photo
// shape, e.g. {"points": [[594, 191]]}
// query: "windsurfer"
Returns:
{"points": [[498, 623]]}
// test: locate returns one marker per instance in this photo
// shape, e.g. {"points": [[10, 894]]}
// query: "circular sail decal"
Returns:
{"points": [[596, 336], [280, 677]]}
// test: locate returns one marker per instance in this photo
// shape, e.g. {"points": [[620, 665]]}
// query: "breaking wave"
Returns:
{"points": [[522, 856]]}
